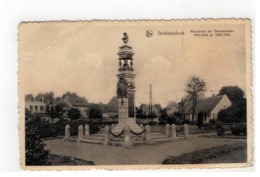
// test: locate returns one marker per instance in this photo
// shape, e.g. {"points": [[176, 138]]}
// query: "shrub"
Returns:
{"points": [[186, 121], [35, 154], [237, 130], [152, 123], [161, 123]]}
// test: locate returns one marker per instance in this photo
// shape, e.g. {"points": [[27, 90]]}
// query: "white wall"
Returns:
{"points": [[223, 104]]}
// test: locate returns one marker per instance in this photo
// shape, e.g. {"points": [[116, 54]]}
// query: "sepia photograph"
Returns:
{"points": [[135, 94]]}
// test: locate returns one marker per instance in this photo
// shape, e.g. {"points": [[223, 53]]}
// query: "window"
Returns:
{"points": [[31, 108], [36, 108], [41, 108]]}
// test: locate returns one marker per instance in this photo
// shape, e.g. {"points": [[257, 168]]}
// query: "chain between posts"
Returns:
{"points": [[137, 133], [115, 134]]}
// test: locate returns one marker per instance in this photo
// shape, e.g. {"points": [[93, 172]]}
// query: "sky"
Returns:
{"points": [[82, 57]]}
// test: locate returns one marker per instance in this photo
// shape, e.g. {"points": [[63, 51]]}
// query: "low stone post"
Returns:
{"points": [[87, 130], [67, 132], [186, 130], [148, 134], [167, 130], [106, 135], [127, 138], [112, 126], [80, 133], [173, 131]]}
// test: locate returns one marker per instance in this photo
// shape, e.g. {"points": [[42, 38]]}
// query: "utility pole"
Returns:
{"points": [[150, 103]]}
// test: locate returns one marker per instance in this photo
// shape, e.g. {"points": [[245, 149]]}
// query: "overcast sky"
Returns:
{"points": [[82, 57]]}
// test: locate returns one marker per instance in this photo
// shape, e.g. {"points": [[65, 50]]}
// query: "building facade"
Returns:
{"points": [[35, 106], [210, 108]]}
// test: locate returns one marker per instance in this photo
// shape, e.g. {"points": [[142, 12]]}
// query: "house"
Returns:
{"points": [[210, 107], [35, 106], [76, 102], [155, 110]]}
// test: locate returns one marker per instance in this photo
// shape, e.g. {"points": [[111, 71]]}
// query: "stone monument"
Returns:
{"points": [[126, 84]]}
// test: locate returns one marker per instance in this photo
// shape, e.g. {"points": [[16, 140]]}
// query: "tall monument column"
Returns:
{"points": [[126, 84]]}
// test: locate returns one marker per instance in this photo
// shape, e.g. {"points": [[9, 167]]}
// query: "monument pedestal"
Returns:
{"points": [[123, 112]]}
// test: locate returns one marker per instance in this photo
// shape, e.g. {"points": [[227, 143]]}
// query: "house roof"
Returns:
{"points": [[77, 101], [206, 105]]}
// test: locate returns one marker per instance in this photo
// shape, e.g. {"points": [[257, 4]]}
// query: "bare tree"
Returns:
{"points": [[195, 89]]}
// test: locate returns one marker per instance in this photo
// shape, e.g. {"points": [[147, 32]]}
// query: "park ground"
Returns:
{"points": [[195, 149]]}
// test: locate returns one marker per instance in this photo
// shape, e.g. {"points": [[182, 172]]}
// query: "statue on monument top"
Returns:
{"points": [[125, 38]]}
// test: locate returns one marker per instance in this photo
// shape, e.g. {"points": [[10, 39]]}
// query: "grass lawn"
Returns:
{"points": [[65, 160], [232, 153]]}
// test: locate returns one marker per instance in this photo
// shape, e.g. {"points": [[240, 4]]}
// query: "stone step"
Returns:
{"points": [[94, 137], [157, 133], [116, 139], [139, 142], [162, 140], [158, 136], [92, 141], [116, 143]]}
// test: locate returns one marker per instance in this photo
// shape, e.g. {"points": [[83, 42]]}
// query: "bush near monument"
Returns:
{"points": [[35, 153], [47, 130], [74, 114]]}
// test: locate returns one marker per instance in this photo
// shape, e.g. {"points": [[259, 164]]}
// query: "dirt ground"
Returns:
{"points": [[141, 154]]}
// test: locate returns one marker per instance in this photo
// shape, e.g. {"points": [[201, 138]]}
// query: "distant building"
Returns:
{"points": [[210, 107], [76, 102], [35, 106], [155, 110], [110, 109]]}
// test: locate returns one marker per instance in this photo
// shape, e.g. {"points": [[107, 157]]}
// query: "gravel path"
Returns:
{"points": [[142, 154]]}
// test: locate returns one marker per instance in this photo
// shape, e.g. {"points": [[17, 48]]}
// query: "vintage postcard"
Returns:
{"points": [[135, 94]]}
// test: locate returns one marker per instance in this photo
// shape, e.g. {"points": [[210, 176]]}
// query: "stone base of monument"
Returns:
{"points": [[129, 140], [129, 135]]}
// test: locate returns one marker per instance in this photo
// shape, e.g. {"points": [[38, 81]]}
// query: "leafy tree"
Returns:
{"points": [[35, 153], [164, 116], [234, 93], [29, 97], [95, 113], [237, 111], [39, 97], [139, 113], [195, 89], [159, 107], [55, 109], [48, 97], [74, 113]]}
